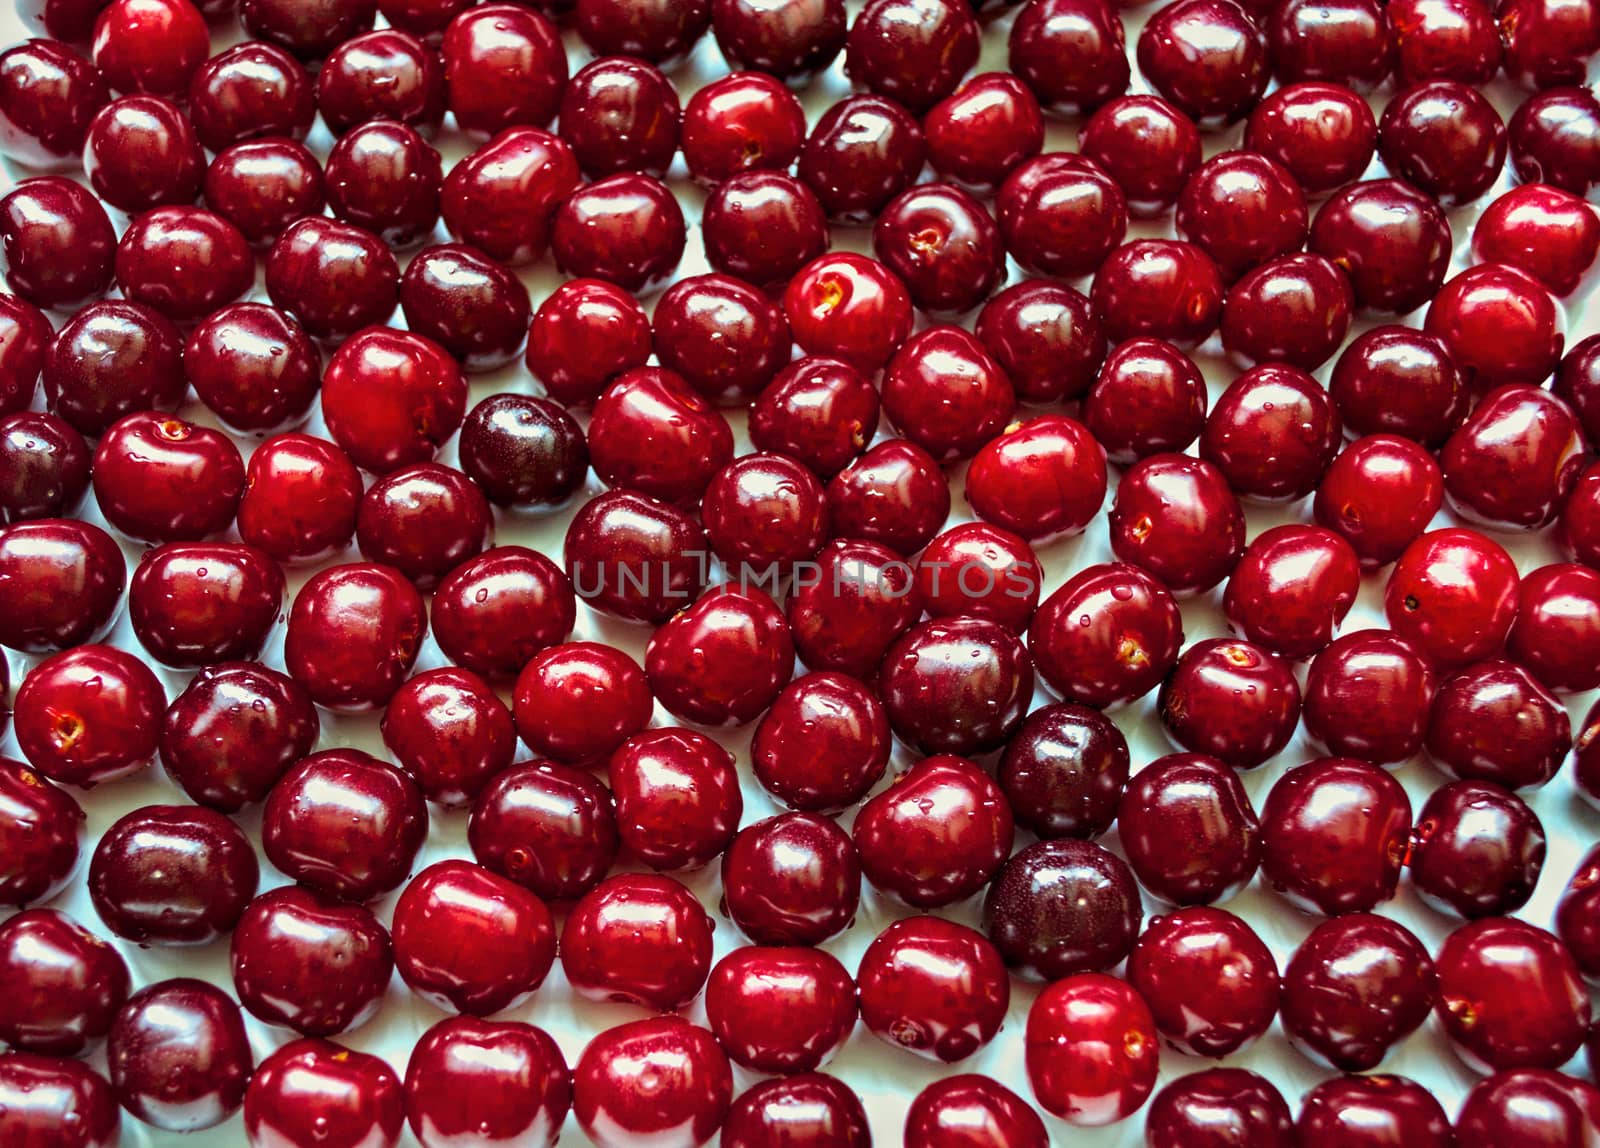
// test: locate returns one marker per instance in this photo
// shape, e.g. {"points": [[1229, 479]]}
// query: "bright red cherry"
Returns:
{"points": [[492, 613], [300, 500], [746, 121], [634, 558], [677, 798], [981, 571], [1242, 209], [1445, 40], [1577, 918], [653, 433], [1176, 517], [969, 1110], [503, 197], [1379, 495], [584, 335], [161, 479], [1292, 588], [850, 307], [780, 1010], [763, 227], [1368, 696], [626, 229], [503, 66], [1208, 57], [1062, 907], [658, 1081], [1149, 147], [25, 337], [577, 702], [1499, 324], [1454, 595], [945, 394], [354, 632], [1323, 135], [56, 243], [1579, 533], [383, 74], [319, 1090], [1551, 234], [1494, 722], [722, 335], [913, 51], [934, 988], [1092, 1049], [640, 939], [40, 829], [391, 398], [1149, 399], [793, 879], [89, 714], [821, 412], [263, 187], [178, 1056], [1217, 1108], [1210, 982], [1548, 45], [64, 580], [151, 46], [1164, 288], [1045, 479], [1373, 1111], [823, 743], [1275, 431], [893, 495], [862, 152], [809, 1110], [1189, 830], [1515, 460], [185, 262], [721, 661], [1132, 640], [334, 278], [450, 732], [472, 1081], [1557, 632], [1294, 310], [62, 1103], [67, 984], [1532, 1106], [1232, 700], [1476, 851], [195, 603], [979, 134], [1396, 380], [763, 513]]}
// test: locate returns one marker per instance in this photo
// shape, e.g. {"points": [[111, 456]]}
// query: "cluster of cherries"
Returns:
{"points": [[906, 629]]}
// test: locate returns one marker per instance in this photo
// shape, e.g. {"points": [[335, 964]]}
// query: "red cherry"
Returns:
{"points": [[821, 412], [40, 829], [308, 28], [640, 939], [746, 121], [1219, 1107], [1210, 982], [894, 494], [63, 1103], [158, 478], [195, 603], [1131, 641], [793, 879], [1323, 135], [945, 394], [1368, 695], [1350, 42], [620, 114], [722, 335], [660, 31], [1294, 309], [472, 1081], [1476, 850], [1164, 288], [1515, 459], [253, 367], [450, 733], [823, 743], [1579, 533], [1554, 138], [142, 152], [1176, 517], [1231, 700], [49, 94], [587, 333], [1149, 147], [809, 1110], [780, 1010], [981, 132], [1391, 240], [424, 520], [112, 359], [933, 988], [391, 398], [185, 1084], [913, 51], [89, 714], [64, 578], [184, 262], [788, 41], [1243, 209], [320, 1090], [502, 198], [503, 66], [1445, 40], [1045, 338], [1062, 907], [67, 984], [1532, 1106], [956, 685], [1499, 325], [1551, 234], [334, 278], [354, 632], [1557, 632], [1379, 495], [1292, 588], [252, 90], [943, 243], [1454, 595], [722, 660], [384, 177], [1092, 1050], [850, 307], [763, 227], [384, 74], [301, 497], [56, 243], [763, 513], [578, 701], [1207, 57], [1149, 399], [1577, 918], [653, 433], [1547, 46], [980, 571], [549, 828], [152, 46], [1044, 479], [1372, 1112], [1072, 54], [1189, 830], [862, 152], [1494, 722], [635, 558], [626, 229], [1396, 380], [677, 798], [972, 1111], [661, 1080]]}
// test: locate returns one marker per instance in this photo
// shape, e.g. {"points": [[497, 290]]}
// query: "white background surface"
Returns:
{"points": [[885, 1078]]}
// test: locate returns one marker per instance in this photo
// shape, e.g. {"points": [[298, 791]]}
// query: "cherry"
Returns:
{"points": [[1149, 147], [635, 558], [1242, 209], [309, 962], [1453, 594], [1379, 495], [491, 1081], [397, 522], [1091, 1048], [863, 151], [68, 984], [823, 744], [746, 121], [936, 835], [660, 1080], [354, 632], [1072, 54], [956, 685], [1445, 138], [69, 20], [894, 495], [1175, 516], [1164, 288], [492, 613], [1445, 40], [234, 731], [1368, 695], [503, 66], [1348, 43], [40, 827], [150, 46], [263, 187], [1207, 57], [300, 500], [1395, 380], [787, 40], [1557, 629], [1062, 907], [44, 467], [981, 571], [1547, 46], [391, 398], [577, 702], [638, 938], [979, 134], [1275, 431], [450, 733], [1045, 479], [819, 411], [1294, 310], [1046, 339], [178, 1056], [317, 1089], [1577, 383], [1532, 1106], [142, 152], [1548, 233], [860, 600], [945, 394], [160, 479], [385, 178], [1356, 986], [1149, 399], [933, 988], [1555, 139], [56, 243], [660, 31], [1510, 996], [1515, 459], [195, 604], [502, 198], [1292, 588], [780, 1010], [1189, 830], [943, 244], [1334, 834], [849, 307], [677, 798], [1217, 1108], [549, 828], [1371, 1112], [1131, 642], [626, 229], [1392, 241], [619, 115], [383, 74], [89, 714], [1580, 519], [913, 51], [1323, 135], [1210, 982], [808, 1109], [1576, 920], [1231, 700], [763, 226], [722, 335], [253, 367], [969, 1110], [60, 1102], [184, 262], [49, 94], [1476, 851], [334, 278], [25, 337], [253, 90], [792, 879], [1531, 729], [722, 660], [423, 18], [584, 335], [64, 579], [311, 29], [304, 824]]}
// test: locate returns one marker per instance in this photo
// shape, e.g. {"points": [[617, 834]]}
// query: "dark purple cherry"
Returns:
{"points": [[1062, 907]]}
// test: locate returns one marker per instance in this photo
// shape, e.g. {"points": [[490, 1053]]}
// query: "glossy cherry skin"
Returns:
{"points": [[1131, 643], [303, 825], [110, 360], [482, 1083], [979, 134], [791, 880], [634, 558], [354, 632], [1210, 982], [1149, 147], [1445, 40], [657, 1081], [651, 432], [677, 798], [823, 744], [936, 835], [620, 114], [1454, 595], [25, 337], [308, 28], [863, 151], [64, 579], [253, 90], [721, 661], [391, 398], [309, 962], [861, 600], [1044, 479], [468, 939], [195, 604], [849, 307], [315, 1089], [1396, 380], [450, 732], [1373, 1111], [334, 278], [467, 303], [1218, 1108], [893, 495], [1164, 288], [944, 245], [1189, 830], [1445, 138], [62, 1103], [151, 46], [980, 571], [1207, 57], [1379, 495], [178, 1055], [820, 411], [550, 828], [492, 613], [423, 520], [384, 177], [1149, 399], [1232, 700], [584, 335], [1577, 382], [263, 187], [1548, 233], [809, 1110], [383, 74], [1580, 519], [89, 714], [933, 988], [741, 122], [972, 1111], [640, 939], [1242, 209], [1092, 1049], [1045, 338], [184, 262], [1334, 833], [503, 66], [1557, 632], [1510, 996], [1062, 907], [1175, 517], [945, 394], [523, 451], [659, 31], [722, 335], [780, 1010], [1392, 241], [1072, 54], [956, 685], [626, 229], [300, 500], [254, 367], [40, 828], [913, 51], [161, 479], [56, 243], [44, 467], [577, 702], [48, 97], [1292, 588], [1476, 851], [1294, 310], [1368, 695], [68, 984], [1546, 46], [763, 227], [787, 40], [141, 152], [1577, 917], [1555, 139], [71, 21], [1515, 459], [1356, 986], [1532, 1106], [1323, 135], [1275, 431], [1348, 43], [1493, 722]]}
